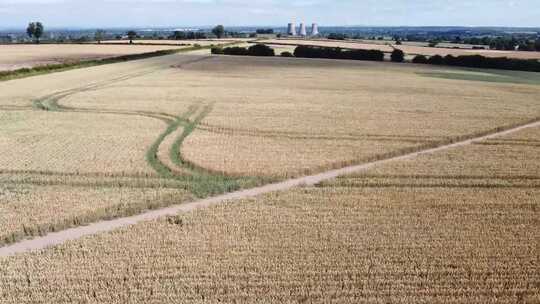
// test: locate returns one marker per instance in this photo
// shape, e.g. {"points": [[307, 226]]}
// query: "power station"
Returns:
{"points": [[291, 29], [314, 29], [302, 32]]}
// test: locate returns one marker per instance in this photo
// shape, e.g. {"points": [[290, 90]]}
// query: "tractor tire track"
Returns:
{"points": [[61, 237]]}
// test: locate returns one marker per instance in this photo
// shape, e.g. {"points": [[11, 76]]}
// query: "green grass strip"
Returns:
{"points": [[202, 182], [151, 154]]}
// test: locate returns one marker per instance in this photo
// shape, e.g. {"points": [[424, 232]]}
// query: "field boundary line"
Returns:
{"points": [[57, 238]]}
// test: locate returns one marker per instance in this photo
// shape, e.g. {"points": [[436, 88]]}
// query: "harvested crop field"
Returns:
{"points": [[18, 56], [408, 49], [336, 242]]}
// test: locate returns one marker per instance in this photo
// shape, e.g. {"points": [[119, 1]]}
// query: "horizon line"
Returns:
{"points": [[89, 27]]}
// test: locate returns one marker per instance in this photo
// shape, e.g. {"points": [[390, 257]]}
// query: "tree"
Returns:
{"points": [[39, 31], [35, 30], [437, 60], [420, 59], [131, 35], [31, 29], [219, 31], [99, 35], [179, 35], [397, 56], [261, 50]]}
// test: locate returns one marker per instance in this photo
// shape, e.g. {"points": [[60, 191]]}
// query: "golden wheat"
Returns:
{"points": [[459, 226], [76, 142], [315, 245], [28, 211], [506, 157], [327, 113]]}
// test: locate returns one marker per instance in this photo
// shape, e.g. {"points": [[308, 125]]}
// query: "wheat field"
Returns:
{"points": [[79, 142], [292, 110], [326, 114], [197, 125], [336, 242]]}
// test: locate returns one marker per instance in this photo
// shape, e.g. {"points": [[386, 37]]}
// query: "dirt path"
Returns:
{"points": [[57, 238]]}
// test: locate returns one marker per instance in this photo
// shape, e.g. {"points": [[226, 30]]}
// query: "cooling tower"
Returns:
{"points": [[303, 31], [291, 29], [314, 30]]}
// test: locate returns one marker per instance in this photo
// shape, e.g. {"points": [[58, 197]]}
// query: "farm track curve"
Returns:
{"points": [[51, 102], [60, 237]]}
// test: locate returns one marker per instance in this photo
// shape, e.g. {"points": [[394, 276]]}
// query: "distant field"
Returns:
{"points": [[18, 56], [408, 49], [418, 43], [202, 42], [459, 226]]}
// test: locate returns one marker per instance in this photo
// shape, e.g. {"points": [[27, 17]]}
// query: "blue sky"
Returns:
{"points": [[100, 13]]}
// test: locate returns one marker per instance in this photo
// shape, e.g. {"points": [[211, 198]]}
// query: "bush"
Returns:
{"points": [[287, 54], [261, 50], [236, 50], [337, 53], [397, 56], [420, 59], [217, 50], [437, 60]]}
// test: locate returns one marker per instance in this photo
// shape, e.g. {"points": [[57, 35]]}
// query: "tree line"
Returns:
{"points": [[254, 50], [479, 61], [337, 53]]}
